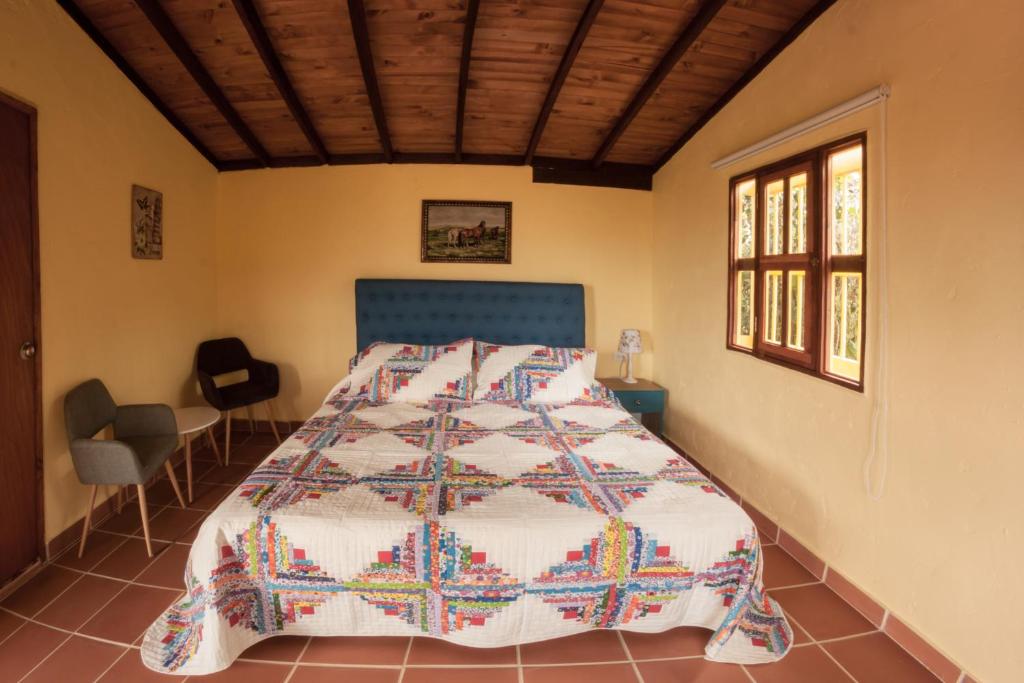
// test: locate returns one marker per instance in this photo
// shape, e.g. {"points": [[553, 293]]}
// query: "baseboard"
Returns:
{"points": [[913, 644]]}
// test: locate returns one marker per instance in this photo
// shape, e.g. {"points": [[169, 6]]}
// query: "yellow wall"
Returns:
{"points": [[291, 242], [943, 548], [104, 314]]}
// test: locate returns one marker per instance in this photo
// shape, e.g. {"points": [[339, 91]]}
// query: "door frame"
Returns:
{"points": [[37, 360]]}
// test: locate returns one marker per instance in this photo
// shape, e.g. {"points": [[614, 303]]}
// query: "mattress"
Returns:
{"points": [[484, 524]]}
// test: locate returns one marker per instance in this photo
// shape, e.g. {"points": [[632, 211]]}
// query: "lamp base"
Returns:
{"points": [[629, 380]]}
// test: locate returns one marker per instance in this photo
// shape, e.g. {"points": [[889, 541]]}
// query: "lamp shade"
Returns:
{"points": [[629, 342]]}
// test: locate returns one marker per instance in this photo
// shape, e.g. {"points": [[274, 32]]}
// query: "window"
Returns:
{"points": [[797, 262]]}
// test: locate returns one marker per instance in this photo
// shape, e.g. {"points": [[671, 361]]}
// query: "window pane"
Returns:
{"points": [[745, 200], [773, 307], [795, 335], [775, 216], [846, 199], [744, 333], [845, 325], [798, 213]]}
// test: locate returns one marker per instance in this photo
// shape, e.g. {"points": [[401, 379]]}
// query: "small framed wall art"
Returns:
{"points": [[464, 231]]}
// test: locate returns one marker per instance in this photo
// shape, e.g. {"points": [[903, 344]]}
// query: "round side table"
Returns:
{"points": [[191, 421]]}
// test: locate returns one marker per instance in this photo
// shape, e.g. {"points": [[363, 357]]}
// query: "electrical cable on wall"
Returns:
{"points": [[878, 448]]}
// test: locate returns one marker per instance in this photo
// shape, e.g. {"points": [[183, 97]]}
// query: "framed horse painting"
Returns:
{"points": [[456, 231]]}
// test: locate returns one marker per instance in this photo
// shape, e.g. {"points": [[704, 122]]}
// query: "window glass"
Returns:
{"points": [[845, 327], [773, 306], [775, 216], [798, 213], [846, 201], [795, 334], [745, 199], [744, 333]]}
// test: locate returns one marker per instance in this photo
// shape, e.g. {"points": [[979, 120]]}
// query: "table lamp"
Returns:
{"points": [[629, 343]]}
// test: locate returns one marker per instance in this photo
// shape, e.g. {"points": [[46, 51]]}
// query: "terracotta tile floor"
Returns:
{"points": [[82, 620]]}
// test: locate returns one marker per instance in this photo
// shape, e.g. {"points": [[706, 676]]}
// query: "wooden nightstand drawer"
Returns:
{"points": [[642, 401]]}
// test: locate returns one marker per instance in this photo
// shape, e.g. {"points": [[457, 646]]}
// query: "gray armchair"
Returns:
{"points": [[145, 437]]}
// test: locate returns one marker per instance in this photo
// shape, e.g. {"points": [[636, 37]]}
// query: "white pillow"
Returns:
{"points": [[411, 372], [533, 373]]}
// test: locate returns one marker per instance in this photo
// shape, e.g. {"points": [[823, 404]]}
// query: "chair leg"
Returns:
{"points": [[213, 445], [88, 519], [174, 480], [273, 423], [252, 420], [145, 517], [227, 440], [120, 498]]}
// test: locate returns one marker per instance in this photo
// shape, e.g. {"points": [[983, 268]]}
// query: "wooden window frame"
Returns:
{"points": [[818, 262]]}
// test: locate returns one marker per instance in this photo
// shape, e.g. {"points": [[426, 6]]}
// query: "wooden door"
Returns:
{"points": [[20, 410]]}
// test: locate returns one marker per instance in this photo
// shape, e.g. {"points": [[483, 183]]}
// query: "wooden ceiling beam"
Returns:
{"points": [[668, 62], [250, 17], [121, 63], [361, 34], [568, 58], [170, 34], [472, 10], [749, 75]]}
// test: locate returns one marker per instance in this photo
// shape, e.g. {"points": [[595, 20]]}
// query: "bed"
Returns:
{"points": [[484, 523]]}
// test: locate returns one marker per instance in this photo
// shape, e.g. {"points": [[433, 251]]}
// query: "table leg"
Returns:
{"points": [[188, 465], [213, 445]]}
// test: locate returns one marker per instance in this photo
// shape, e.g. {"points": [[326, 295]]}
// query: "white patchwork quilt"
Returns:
{"points": [[485, 524]]}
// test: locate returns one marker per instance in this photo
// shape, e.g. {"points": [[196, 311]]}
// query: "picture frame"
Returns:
{"points": [[466, 231], [147, 233]]}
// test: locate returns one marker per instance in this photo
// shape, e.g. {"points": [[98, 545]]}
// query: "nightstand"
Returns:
{"points": [[644, 397]]}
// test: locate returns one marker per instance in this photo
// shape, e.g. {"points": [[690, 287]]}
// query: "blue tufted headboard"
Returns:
{"points": [[439, 311]]}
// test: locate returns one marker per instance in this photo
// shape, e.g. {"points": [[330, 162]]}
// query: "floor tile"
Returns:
{"points": [[40, 589], [129, 521], [97, 547], [9, 623], [431, 651], [921, 650], [802, 554], [130, 668], [800, 664], [130, 613], [172, 523], [800, 636], [277, 649], [322, 674], [161, 493], [692, 671], [821, 612], [250, 454], [129, 559], [207, 496], [594, 646], [229, 474], [168, 569], [678, 642], [596, 673], [78, 659], [860, 600], [26, 648], [780, 569], [876, 658], [382, 650], [507, 675], [80, 602], [251, 672]]}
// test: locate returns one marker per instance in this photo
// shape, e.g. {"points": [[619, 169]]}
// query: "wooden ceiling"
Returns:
{"points": [[592, 91]]}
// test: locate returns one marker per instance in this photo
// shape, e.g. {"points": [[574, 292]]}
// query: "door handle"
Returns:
{"points": [[27, 350]]}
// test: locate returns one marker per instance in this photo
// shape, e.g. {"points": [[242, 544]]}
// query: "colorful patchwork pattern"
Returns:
{"points": [[533, 373], [436, 582], [183, 624], [434, 486], [290, 479], [263, 582], [617, 577], [588, 484], [412, 372], [682, 472]]}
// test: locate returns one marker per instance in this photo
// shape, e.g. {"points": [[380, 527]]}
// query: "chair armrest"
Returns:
{"points": [[105, 462], [210, 391], [144, 420], [265, 374]]}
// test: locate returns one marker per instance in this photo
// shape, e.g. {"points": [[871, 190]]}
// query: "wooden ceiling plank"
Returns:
{"points": [[747, 77], [693, 29], [250, 18], [361, 34], [568, 58], [121, 63], [472, 11], [170, 34]]}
